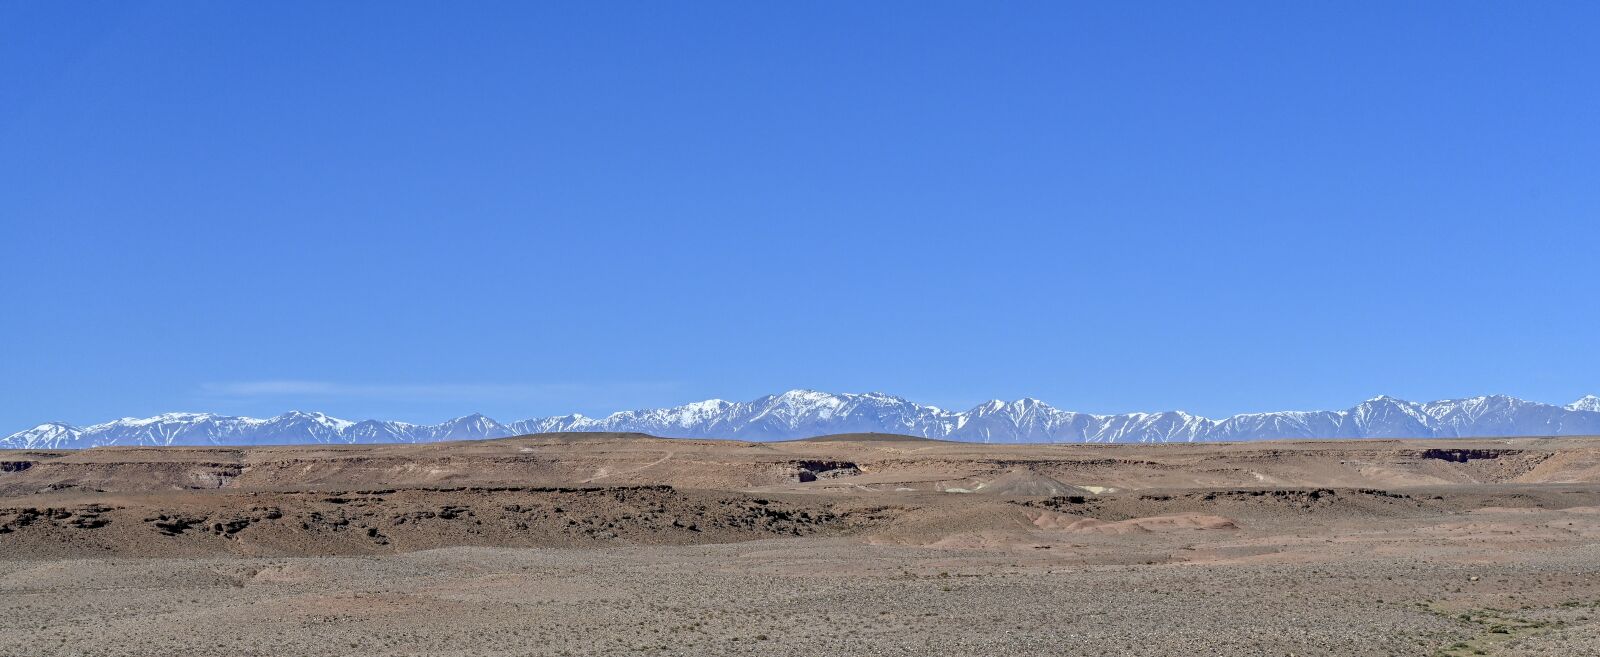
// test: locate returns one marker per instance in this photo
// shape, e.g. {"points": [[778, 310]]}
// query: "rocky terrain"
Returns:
{"points": [[607, 544]]}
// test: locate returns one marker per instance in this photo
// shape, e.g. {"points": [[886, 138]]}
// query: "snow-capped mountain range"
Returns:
{"points": [[804, 413]]}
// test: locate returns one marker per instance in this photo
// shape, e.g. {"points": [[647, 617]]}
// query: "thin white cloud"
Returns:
{"points": [[427, 392]]}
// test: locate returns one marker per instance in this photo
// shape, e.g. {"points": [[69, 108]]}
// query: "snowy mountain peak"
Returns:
{"points": [[50, 435], [1589, 403], [312, 416], [163, 418], [802, 413]]}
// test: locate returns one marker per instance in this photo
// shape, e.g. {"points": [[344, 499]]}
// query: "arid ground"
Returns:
{"points": [[608, 544]]}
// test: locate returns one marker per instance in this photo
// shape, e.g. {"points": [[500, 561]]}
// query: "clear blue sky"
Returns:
{"points": [[420, 210]]}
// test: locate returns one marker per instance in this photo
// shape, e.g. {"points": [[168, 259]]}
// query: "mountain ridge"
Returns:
{"points": [[805, 413]]}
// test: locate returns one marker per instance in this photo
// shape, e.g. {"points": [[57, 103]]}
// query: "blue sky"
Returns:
{"points": [[420, 210]]}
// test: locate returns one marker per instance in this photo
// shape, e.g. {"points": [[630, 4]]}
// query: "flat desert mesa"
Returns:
{"points": [[623, 544]]}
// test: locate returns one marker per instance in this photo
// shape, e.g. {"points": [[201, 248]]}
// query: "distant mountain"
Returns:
{"points": [[1588, 403], [804, 413]]}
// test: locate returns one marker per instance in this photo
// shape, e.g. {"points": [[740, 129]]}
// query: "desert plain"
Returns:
{"points": [[862, 544]]}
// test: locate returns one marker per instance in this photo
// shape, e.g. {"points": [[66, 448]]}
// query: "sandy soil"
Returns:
{"points": [[622, 545]]}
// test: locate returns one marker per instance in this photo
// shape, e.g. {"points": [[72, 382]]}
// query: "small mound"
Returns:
{"points": [[1152, 524], [1025, 483]]}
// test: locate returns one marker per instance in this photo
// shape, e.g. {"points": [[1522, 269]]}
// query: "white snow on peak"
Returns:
{"points": [[803, 412], [319, 418], [50, 435], [1587, 403]]}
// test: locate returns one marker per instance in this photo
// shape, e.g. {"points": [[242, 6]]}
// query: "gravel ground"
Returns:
{"points": [[782, 597]]}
